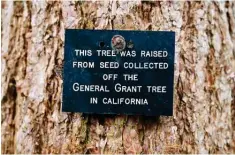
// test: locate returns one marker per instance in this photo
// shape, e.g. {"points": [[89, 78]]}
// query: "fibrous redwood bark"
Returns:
{"points": [[32, 59]]}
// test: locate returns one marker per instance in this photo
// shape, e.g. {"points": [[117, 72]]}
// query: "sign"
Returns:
{"points": [[118, 72]]}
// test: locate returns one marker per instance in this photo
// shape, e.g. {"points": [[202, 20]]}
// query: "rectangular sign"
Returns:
{"points": [[118, 72]]}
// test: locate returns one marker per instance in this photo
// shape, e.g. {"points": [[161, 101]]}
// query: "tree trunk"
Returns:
{"points": [[204, 94]]}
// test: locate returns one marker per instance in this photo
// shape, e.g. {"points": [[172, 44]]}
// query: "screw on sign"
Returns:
{"points": [[130, 44], [118, 43]]}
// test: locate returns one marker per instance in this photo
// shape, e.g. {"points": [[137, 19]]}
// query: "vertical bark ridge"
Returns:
{"points": [[52, 134], [231, 23], [28, 136], [13, 71], [132, 135], [6, 130], [223, 67], [67, 131], [114, 134]]}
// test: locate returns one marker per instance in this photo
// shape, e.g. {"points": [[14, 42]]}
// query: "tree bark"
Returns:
{"points": [[204, 94]]}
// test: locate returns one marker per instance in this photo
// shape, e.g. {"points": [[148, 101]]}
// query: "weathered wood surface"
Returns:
{"points": [[32, 55]]}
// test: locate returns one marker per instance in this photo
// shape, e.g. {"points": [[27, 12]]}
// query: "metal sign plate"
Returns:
{"points": [[118, 72]]}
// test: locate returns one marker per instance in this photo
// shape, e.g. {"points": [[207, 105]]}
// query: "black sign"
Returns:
{"points": [[118, 72]]}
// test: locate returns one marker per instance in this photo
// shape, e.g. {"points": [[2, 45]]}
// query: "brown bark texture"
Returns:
{"points": [[204, 83]]}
